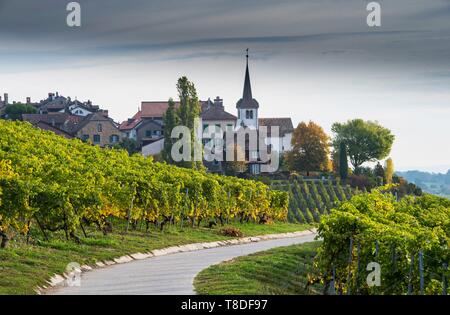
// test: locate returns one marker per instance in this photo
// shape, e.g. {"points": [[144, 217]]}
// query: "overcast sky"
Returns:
{"points": [[310, 60]]}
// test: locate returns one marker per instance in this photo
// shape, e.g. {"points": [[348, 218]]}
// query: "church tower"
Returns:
{"points": [[247, 106]]}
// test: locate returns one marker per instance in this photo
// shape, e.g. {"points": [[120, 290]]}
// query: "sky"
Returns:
{"points": [[309, 60]]}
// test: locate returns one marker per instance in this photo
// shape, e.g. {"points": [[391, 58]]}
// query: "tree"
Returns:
{"points": [[378, 171], [189, 112], [343, 161], [310, 148], [130, 145], [389, 171], [15, 111], [171, 120], [366, 141]]}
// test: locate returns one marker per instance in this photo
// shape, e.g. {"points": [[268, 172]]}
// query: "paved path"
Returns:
{"points": [[170, 274]]}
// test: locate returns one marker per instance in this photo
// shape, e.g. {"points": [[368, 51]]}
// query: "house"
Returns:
{"points": [[53, 104], [45, 126], [56, 103], [146, 126], [82, 109], [62, 121], [98, 129]]}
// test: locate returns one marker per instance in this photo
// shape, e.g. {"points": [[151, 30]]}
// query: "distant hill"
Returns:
{"points": [[433, 183]]}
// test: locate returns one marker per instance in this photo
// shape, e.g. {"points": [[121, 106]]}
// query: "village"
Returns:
{"points": [[145, 132]]}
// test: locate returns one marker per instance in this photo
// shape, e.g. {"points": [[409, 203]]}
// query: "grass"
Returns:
{"points": [[281, 271], [25, 266]]}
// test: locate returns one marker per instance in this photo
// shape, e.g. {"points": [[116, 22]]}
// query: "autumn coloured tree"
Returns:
{"points": [[310, 148], [389, 171]]}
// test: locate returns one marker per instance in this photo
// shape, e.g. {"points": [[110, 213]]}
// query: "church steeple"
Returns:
{"points": [[247, 100], [247, 95]]}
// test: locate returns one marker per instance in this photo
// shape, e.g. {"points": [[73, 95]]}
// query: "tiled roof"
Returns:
{"points": [[155, 109], [132, 122], [89, 118], [56, 118], [61, 121], [285, 125], [215, 112], [46, 126]]}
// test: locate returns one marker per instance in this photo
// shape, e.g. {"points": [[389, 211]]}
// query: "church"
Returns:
{"points": [[147, 128]]}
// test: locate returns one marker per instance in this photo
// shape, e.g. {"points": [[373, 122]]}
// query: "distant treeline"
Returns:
{"points": [[434, 183]]}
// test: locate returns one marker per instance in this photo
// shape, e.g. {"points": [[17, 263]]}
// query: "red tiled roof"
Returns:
{"points": [[131, 123], [155, 109]]}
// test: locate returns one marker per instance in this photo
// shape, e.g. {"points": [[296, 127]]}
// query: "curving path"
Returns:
{"points": [[169, 274]]}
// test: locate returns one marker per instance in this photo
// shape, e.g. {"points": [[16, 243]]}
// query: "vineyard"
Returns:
{"points": [[309, 200], [58, 184], [409, 239]]}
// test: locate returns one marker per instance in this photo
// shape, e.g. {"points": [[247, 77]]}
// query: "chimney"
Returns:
{"points": [[28, 100], [6, 98], [57, 94], [103, 112], [50, 96], [218, 102]]}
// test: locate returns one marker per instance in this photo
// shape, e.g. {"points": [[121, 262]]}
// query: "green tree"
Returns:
{"points": [[189, 112], [343, 161], [171, 120], [310, 148], [366, 141], [130, 145], [389, 171], [15, 111], [379, 173]]}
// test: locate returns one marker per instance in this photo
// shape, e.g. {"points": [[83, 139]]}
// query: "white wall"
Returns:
{"points": [[153, 148]]}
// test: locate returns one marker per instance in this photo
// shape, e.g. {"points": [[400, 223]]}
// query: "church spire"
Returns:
{"points": [[247, 95], [247, 100]]}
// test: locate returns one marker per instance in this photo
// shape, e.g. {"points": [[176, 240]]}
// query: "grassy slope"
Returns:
{"points": [[280, 270], [23, 267]]}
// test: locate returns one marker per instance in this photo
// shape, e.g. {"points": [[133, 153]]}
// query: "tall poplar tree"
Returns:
{"points": [[188, 112], [389, 171], [171, 120], [343, 161]]}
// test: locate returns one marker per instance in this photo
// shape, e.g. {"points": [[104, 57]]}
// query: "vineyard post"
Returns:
{"points": [[444, 279], [333, 282], [358, 266], [411, 269], [394, 257], [228, 216], [421, 271], [377, 249], [185, 206], [349, 266]]}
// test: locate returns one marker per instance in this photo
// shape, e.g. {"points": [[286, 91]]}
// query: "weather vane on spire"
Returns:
{"points": [[247, 53]]}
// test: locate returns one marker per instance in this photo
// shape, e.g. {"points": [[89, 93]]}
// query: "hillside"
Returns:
{"points": [[62, 185], [433, 183], [309, 200]]}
